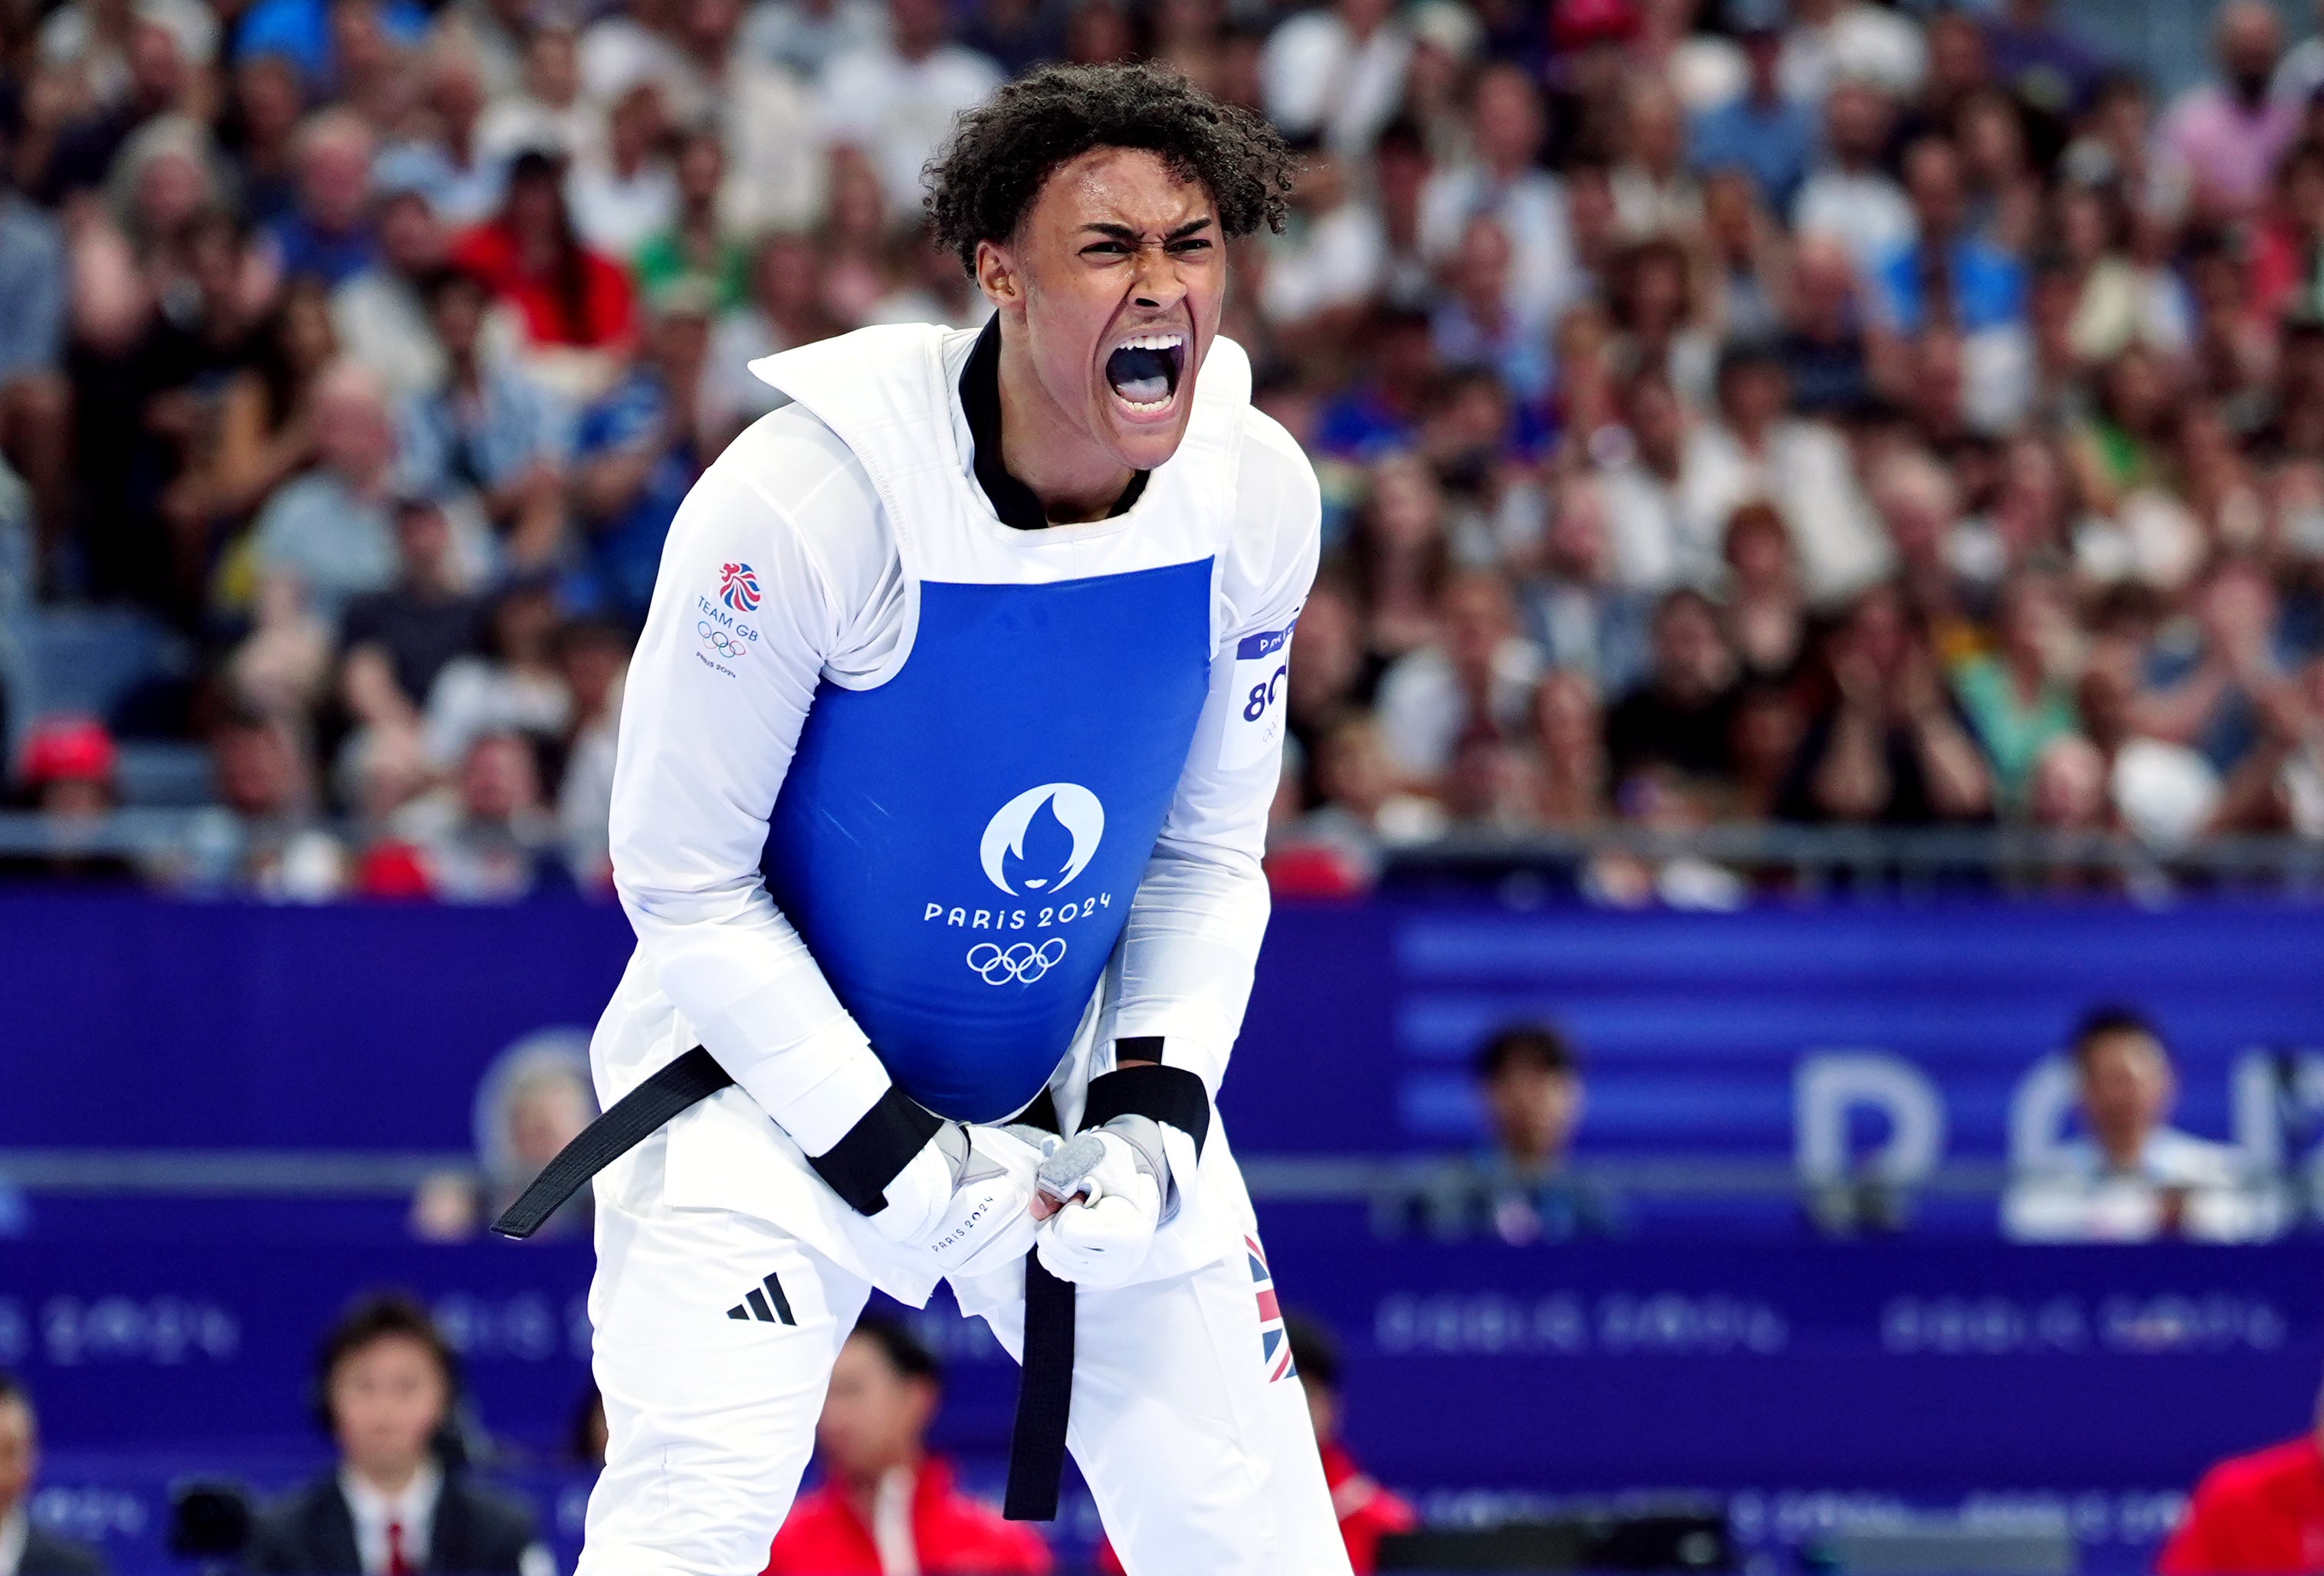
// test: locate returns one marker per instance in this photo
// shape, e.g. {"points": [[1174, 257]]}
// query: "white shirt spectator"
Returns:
{"points": [[411, 1513], [1424, 712], [2079, 1197], [1805, 474], [1531, 211], [1318, 78], [512, 126], [1328, 260], [615, 213], [1646, 520], [807, 35], [899, 110], [473, 696], [15, 1530], [1866, 41], [775, 160], [1863, 209], [619, 52]]}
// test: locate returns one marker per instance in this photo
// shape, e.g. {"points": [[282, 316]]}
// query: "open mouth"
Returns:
{"points": [[1143, 372]]}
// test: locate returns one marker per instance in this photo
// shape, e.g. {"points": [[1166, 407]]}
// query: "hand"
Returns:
{"points": [[964, 1198], [1096, 1232]]}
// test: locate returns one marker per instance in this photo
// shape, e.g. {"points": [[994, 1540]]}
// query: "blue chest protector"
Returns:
{"points": [[959, 846]]}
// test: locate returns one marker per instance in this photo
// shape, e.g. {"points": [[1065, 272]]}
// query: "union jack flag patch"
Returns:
{"points": [[1274, 1345]]}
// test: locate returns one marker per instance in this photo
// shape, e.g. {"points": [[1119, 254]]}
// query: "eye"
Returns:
{"points": [[1107, 249], [1191, 244]]}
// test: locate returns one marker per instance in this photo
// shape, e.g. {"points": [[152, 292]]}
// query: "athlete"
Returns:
{"points": [[943, 778]]}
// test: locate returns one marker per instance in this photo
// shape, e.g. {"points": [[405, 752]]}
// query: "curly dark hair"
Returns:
{"points": [[981, 183]]}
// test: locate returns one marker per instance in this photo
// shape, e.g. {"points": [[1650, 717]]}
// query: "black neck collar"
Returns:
{"points": [[980, 401]]}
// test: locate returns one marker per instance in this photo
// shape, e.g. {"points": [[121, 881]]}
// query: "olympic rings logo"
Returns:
{"points": [[719, 640], [1023, 961]]}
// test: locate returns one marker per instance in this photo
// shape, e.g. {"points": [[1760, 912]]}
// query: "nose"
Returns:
{"points": [[1157, 286]]}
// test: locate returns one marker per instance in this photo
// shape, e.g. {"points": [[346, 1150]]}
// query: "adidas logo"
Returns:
{"points": [[768, 1306]]}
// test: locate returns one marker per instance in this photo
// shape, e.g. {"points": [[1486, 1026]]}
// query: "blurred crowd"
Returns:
{"points": [[1758, 411]]}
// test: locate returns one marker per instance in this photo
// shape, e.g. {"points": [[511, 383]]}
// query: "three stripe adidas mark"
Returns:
{"points": [[757, 1304]]}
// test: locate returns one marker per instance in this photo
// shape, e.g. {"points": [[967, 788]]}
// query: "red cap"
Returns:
{"points": [[1577, 24], [68, 750]]}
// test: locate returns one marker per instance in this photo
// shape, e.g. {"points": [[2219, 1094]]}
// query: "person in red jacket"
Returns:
{"points": [[2259, 1515], [886, 1506], [1367, 1511]]}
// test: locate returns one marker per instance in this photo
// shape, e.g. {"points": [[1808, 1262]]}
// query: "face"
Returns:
{"points": [[387, 1399], [1113, 286], [19, 1453], [2127, 1088], [547, 1114], [1534, 1109], [873, 1418], [497, 780]]}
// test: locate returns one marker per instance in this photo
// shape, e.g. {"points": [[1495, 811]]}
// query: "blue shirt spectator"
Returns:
{"points": [[1946, 274], [1772, 140], [301, 30], [637, 452]]}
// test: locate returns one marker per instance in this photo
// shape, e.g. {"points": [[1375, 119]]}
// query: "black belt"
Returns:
{"points": [[1044, 1387]]}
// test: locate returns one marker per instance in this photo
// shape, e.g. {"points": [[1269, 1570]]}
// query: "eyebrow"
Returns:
{"points": [[1124, 232]]}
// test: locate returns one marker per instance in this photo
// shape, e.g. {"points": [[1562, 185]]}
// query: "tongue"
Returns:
{"points": [[1142, 377]]}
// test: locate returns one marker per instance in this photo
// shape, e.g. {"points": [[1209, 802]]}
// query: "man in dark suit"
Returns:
{"points": [[26, 1550], [395, 1506]]}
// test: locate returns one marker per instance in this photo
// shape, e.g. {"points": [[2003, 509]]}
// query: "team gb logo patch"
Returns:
{"points": [[738, 588]]}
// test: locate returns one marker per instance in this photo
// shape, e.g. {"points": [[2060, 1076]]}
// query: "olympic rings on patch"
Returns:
{"points": [[1023, 961], [718, 640]]}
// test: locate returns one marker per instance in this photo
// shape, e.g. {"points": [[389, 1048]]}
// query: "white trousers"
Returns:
{"points": [[1202, 1461]]}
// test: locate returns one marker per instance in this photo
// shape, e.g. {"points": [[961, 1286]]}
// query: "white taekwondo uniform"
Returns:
{"points": [[845, 641]]}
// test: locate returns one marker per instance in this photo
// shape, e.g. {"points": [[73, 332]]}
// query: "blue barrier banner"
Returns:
{"points": [[1762, 1035], [1800, 1382]]}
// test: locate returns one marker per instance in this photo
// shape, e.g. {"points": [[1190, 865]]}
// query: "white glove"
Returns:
{"points": [[964, 1198], [1108, 1201]]}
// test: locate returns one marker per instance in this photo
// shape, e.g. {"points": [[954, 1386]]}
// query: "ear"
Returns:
{"points": [[999, 275]]}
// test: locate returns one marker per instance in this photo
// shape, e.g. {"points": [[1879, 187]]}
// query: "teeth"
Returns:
{"points": [[1153, 342]]}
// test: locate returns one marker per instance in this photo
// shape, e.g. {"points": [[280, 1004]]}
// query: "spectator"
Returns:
{"points": [[782, 310], [1947, 275], [263, 836], [380, 314], [1682, 717], [623, 189], [497, 847], [385, 1383], [1833, 41], [593, 656], [1847, 193], [574, 303], [1755, 450], [506, 681], [25, 1549], [763, 121], [394, 642], [330, 527], [2264, 1511], [885, 1500], [1502, 180], [1888, 745], [534, 1099], [2229, 133], [639, 449], [1575, 610], [486, 431], [1767, 611], [1479, 676], [698, 245], [2044, 63], [326, 234], [546, 110], [1762, 131], [896, 98], [449, 162], [1523, 1187], [1824, 348], [2133, 1178], [1338, 73], [2020, 699], [807, 35], [68, 768]]}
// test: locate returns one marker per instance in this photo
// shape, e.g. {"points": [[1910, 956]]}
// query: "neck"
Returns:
{"points": [[387, 1478], [862, 1488], [1074, 478]]}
